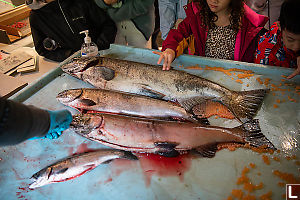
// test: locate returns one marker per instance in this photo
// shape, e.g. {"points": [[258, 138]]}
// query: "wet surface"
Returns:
{"points": [[200, 178]]}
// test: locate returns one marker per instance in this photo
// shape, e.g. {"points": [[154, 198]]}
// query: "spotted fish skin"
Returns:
{"points": [[173, 85]]}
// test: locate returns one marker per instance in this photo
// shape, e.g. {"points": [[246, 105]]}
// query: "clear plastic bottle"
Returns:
{"points": [[88, 48]]}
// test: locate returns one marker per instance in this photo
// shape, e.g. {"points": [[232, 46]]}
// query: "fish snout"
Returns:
{"points": [[68, 96]]}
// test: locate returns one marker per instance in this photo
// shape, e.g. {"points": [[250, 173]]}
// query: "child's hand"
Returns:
{"points": [[168, 55], [297, 71]]}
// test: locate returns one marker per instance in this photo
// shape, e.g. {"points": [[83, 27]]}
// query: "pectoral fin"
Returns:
{"points": [[107, 73], [167, 149], [87, 102], [147, 91]]}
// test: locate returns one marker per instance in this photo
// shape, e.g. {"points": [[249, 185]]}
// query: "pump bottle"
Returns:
{"points": [[88, 48]]}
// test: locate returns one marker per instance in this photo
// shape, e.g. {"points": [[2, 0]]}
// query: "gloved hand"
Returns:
{"points": [[59, 121]]}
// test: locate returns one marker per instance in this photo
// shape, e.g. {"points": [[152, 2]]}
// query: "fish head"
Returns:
{"points": [[84, 124], [79, 64], [68, 96], [41, 178]]}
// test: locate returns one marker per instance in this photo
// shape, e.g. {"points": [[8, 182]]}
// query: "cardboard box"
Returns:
{"points": [[14, 24]]}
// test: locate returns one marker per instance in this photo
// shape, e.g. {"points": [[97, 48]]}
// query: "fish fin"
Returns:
{"points": [[87, 102], [128, 155], [203, 120], [171, 153], [208, 150], [165, 145], [244, 104], [106, 73], [167, 149], [252, 134], [62, 171], [210, 108], [189, 103], [147, 91], [107, 162], [49, 172]]}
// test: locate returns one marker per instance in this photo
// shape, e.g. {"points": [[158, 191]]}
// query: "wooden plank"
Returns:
{"points": [[14, 15], [10, 85]]}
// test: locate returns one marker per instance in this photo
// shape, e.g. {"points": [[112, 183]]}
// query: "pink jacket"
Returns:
{"points": [[191, 34]]}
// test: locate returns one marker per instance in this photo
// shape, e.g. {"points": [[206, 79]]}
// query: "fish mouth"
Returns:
{"points": [[68, 96], [83, 124], [36, 183]]}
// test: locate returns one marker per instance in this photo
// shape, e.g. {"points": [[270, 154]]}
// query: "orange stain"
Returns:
{"points": [[289, 178], [266, 159], [267, 196], [239, 81], [259, 80]]}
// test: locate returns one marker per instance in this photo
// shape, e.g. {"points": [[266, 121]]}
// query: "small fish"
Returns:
{"points": [[186, 89], [107, 101], [167, 138], [77, 165]]}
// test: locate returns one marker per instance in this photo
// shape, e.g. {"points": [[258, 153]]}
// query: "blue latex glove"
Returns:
{"points": [[59, 121]]}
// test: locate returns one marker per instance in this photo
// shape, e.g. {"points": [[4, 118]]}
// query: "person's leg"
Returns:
{"points": [[156, 27], [120, 38], [133, 36]]}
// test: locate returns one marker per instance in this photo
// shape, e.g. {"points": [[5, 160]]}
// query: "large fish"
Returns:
{"points": [[108, 101], [186, 89], [167, 138], [75, 166]]}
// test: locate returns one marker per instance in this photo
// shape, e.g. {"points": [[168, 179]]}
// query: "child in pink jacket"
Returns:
{"points": [[225, 29]]}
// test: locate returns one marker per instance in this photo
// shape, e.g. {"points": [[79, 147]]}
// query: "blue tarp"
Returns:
{"points": [[203, 178]]}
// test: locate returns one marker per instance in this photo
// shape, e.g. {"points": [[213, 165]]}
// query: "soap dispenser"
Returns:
{"points": [[88, 48]]}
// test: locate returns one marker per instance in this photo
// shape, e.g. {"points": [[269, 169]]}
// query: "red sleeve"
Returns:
{"points": [[179, 39]]}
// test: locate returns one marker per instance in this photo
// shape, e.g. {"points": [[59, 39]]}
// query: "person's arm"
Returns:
{"points": [[129, 9], [297, 71], [59, 54], [19, 122], [177, 41], [104, 24]]}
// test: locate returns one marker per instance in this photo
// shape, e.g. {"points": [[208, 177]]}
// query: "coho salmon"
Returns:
{"points": [[108, 101], [178, 86], [77, 165], [167, 138]]}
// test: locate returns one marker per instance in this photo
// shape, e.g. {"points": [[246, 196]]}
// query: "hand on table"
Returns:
{"points": [[168, 55]]}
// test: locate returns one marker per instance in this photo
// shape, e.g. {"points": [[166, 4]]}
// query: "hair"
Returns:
{"points": [[290, 15], [236, 15]]}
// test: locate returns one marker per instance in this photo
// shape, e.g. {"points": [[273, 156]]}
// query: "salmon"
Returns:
{"points": [[167, 138], [108, 101], [186, 89], [77, 165]]}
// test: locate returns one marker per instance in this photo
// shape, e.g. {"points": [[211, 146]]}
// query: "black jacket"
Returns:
{"points": [[62, 20], [19, 122]]}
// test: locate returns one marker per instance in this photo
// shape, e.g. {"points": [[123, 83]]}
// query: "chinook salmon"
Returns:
{"points": [[166, 138], [186, 89], [108, 101], [77, 165]]}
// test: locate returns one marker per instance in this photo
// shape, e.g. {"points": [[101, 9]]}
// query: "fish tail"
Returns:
{"points": [[251, 133], [244, 104], [128, 155]]}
